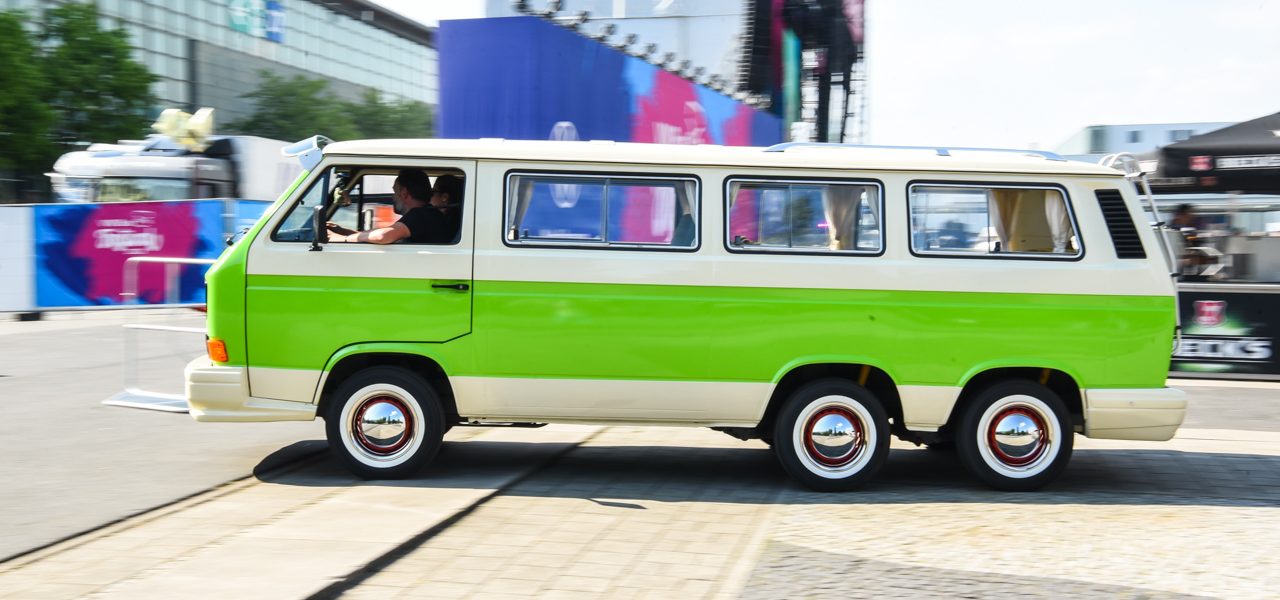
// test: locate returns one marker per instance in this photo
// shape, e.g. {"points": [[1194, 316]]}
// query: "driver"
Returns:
{"points": [[419, 222]]}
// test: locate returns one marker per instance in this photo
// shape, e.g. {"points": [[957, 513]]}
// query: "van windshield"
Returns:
{"points": [[133, 189]]}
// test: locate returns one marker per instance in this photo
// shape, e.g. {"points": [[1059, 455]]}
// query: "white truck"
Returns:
{"points": [[181, 162]]}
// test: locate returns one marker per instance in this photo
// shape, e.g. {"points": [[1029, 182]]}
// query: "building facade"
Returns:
{"points": [[1098, 140], [210, 52]]}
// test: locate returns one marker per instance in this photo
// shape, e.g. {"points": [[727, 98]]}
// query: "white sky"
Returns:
{"points": [[1030, 73]]}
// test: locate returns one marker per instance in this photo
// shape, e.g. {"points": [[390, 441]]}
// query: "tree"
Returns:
{"points": [[378, 119], [95, 88], [24, 117], [294, 109], [299, 107]]}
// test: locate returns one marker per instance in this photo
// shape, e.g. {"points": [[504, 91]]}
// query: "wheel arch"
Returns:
{"points": [[353, 359], [1061, 382], [876, 379]]}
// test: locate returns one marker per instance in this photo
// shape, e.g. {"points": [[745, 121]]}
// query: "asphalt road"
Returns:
{"points": [[72, 464]]}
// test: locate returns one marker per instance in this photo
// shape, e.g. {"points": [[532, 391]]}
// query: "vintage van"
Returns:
{"points": [[820, 298]]}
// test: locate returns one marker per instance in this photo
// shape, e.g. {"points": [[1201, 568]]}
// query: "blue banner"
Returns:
{"points": [[81, 249], [525, 78]]}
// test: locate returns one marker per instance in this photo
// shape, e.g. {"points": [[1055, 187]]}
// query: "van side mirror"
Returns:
{"points": [[235, 237], [318, 230]]}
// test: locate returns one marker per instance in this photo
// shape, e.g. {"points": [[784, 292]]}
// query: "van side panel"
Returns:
{"points": [[731, 334]]}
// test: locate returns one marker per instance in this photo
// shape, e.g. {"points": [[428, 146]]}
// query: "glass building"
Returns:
{"points": [[210, 52]]}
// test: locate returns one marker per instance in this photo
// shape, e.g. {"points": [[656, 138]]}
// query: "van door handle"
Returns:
{"points": [[461, 287]]}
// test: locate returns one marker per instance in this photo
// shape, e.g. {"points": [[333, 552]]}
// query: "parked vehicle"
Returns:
{"points": [[175, 166], [800, 294]]}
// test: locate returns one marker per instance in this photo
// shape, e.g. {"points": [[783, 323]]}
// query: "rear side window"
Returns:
{"points": [[602, 211], [980, 220], [804, 216]]}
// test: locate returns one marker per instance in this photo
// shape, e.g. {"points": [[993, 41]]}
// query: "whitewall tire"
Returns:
{"points": [[1015, 436], [384, 423], [832, 435]]}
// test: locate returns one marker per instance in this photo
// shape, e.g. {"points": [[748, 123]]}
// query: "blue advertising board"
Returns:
{"points": [[525, 78], [81, 249]]}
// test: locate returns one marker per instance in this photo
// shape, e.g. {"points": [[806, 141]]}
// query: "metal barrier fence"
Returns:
{"points": [[134, 396]]}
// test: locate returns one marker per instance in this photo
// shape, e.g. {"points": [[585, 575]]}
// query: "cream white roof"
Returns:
{"points": [[829, 157]]}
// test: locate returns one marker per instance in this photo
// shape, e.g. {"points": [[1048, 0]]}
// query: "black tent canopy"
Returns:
{"points": [[1244, 157]]}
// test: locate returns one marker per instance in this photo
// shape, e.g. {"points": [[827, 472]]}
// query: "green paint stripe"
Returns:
{"points": [[706, 333]]}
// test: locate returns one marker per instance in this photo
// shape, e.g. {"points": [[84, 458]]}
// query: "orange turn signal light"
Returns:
{"points": [[217, 350]]}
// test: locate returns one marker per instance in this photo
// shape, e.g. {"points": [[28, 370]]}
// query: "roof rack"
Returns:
{"points": [[940, 150]]}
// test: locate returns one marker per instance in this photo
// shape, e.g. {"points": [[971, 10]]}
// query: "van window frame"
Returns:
{"points": [[322, 175], [794, 179], [696, 213], [1002, 255]]}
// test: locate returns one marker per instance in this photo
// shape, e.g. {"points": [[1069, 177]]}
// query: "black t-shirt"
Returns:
{"points": [[427, 226]]}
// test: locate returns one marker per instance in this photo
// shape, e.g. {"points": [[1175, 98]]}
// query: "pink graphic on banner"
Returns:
{"points": [[670, 114], [117, 232], [744, 220]]}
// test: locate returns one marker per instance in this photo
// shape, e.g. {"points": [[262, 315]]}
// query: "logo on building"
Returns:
{"points": [[1210, 313], [565, 195], [258, 18]]}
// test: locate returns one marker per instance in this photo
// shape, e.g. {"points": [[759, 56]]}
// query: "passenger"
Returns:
{"points": [[446, 196], [419, 223]]}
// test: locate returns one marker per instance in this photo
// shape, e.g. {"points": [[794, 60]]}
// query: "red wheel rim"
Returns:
{"points": [[1012, 413], [367, 443], [841, 424]]}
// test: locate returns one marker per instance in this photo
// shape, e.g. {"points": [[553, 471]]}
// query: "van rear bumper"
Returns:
{"points": [[217, 393], [1152, 414]]}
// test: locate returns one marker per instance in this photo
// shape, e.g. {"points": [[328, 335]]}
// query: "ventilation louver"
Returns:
{"points": [[1124, 236]]}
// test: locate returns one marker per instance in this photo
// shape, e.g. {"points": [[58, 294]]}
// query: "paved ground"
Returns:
{"points": [[690, 513], [71, 463], [617, 512]]}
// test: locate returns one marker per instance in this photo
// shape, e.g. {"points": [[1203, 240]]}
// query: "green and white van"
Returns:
{"points": [[820, 298]]}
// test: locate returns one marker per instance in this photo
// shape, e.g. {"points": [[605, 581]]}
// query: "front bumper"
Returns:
{"points": [[1152, 414], [217, 393]]}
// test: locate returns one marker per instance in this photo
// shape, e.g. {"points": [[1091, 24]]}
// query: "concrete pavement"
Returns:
{"points": [[690, 513]]}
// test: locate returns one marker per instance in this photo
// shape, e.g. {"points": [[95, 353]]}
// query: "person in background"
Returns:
{"points": [[1183, 219]]}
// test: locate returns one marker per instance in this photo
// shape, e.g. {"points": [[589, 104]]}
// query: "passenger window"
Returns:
{"points": [[984, 220], [622, 211], [805, 216]]}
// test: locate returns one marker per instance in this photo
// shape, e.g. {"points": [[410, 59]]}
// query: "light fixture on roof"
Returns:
{"points": [[626, 43]]}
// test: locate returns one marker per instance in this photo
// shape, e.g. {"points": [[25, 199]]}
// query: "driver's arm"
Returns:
{"points": [[383, 235]]}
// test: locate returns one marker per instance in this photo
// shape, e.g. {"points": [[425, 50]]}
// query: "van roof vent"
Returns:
{"points": [[1124, 236]]}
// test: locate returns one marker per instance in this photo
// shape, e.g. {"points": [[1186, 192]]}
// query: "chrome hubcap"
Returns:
{"points": [[1017, 436], [834, 436], [382, 425]]}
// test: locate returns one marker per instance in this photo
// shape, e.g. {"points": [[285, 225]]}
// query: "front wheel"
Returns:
{"points": [[832, 435], [385, 423], [1015, 436]]}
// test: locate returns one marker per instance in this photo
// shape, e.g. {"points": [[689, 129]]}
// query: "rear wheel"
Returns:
{"points": [[1015, 436], [832, 435], [384, 423]]}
